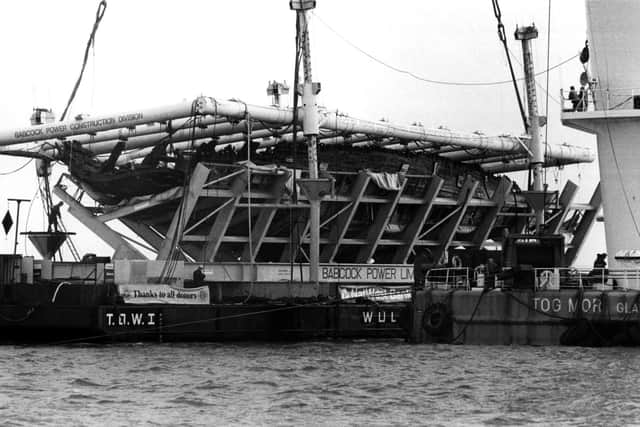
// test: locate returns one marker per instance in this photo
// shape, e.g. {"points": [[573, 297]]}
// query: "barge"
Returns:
{"points": [[272, 223]]}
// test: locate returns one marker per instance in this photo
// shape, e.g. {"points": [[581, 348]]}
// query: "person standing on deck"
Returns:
{"points": [[421, 264], [492, 271], [53, 217], [582, 100], [198, 277], [573, 97]]}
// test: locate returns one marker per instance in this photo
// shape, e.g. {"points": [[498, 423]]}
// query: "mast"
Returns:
{"points": [[537, 196], [313, 187]]}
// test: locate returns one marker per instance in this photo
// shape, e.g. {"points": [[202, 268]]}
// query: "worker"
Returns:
{"points": [[492, 271], [600, 273], [421, 263], [198, 276], [600, 261], [573, 97], [582, 99], [54, 214]]}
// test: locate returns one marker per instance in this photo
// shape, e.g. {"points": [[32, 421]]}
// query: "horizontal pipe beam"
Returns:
{"points": [[235, 110]]}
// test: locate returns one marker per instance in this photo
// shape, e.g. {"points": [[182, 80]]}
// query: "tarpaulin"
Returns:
{"points": [[386, 181]]}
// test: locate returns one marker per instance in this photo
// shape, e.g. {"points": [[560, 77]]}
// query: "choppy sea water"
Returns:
{"points": [[317, 383]]}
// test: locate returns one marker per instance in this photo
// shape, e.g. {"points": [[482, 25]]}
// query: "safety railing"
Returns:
{"points": [[602, 279], [448, 278], [600, 99], [483, 279]]}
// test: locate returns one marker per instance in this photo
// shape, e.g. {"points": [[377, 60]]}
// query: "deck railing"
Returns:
{"points": [[602, 99], [449, 278], [602, 279]]}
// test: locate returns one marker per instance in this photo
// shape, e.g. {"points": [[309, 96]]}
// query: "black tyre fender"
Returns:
{"points": [[436, 318]]}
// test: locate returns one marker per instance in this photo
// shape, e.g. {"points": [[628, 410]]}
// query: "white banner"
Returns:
{"points": [[376, 293], [163, 294]]}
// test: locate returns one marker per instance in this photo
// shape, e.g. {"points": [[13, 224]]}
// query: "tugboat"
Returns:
{"points": [[538, 298], [257, 236]]}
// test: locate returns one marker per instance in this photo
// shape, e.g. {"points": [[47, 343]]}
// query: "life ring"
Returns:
{"points": [[435, 319]]}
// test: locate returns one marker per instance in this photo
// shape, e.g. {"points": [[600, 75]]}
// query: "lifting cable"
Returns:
{"points": [[503, 39], [427, 80], [546, 108], [45, 193], [249, 210], [102, 7], [19, 168]]}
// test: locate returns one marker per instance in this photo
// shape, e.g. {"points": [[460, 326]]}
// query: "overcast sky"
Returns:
{"points": [[150, 53]]}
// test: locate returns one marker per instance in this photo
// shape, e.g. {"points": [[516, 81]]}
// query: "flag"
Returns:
{"points": [[7, 222]]}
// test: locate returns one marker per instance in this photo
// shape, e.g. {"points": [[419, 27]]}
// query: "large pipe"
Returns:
{"points": [[234, 110], [91, 125], [180, 135]]}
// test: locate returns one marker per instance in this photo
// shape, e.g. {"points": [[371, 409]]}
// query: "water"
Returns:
{"points": [[317, 383]]}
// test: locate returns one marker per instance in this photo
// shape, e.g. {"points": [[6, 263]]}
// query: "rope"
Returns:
{"points": [[55, 293], [473, 314], [503, 39], [17, 169], [102, 7], [294, 232], [427, 80], [249, 219], [546, 108], [33, 199], [22, 319]]}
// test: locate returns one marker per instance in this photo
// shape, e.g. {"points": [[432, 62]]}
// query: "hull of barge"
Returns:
{"points": [[87, 313], [526, 317]]}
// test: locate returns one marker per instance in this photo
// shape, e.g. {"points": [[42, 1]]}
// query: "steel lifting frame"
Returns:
{"points": [[411, 233], [342, 222]]}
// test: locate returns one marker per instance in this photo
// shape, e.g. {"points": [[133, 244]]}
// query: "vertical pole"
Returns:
{"points": [[15, 240], [15, 243], [526, 34], [311, 130]]}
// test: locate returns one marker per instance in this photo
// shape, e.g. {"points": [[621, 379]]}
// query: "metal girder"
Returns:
{"points": [[183, 213], [143, 231], [265, 217], [291, 243], [122, 248], [341, 224], [221, 223], [588, 218], [324, 240], [155, 200], [491, 214], [338, 198], [566, 197], [376, 230], [412, 230], [448, 230]]}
